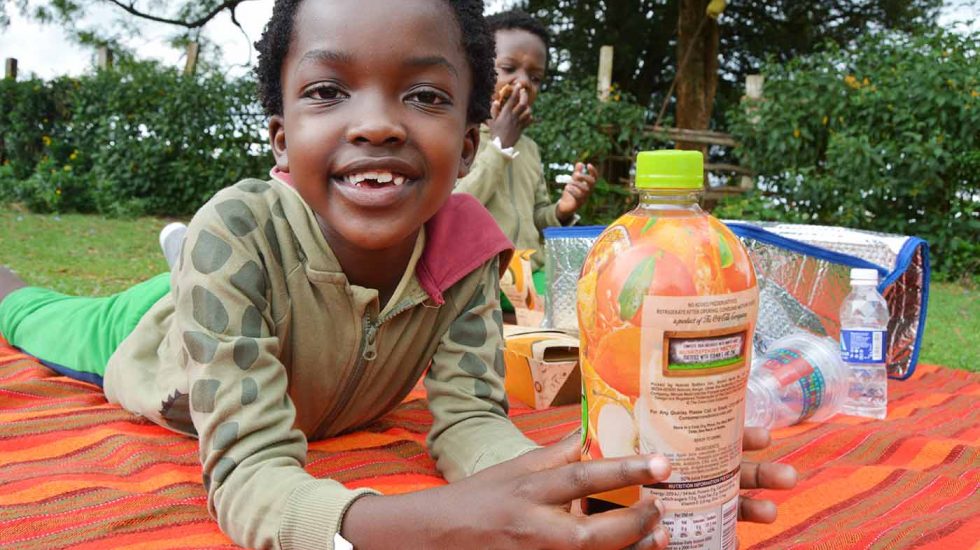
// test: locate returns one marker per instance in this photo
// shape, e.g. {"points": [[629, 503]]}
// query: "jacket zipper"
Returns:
{"points": [[367, 352]]}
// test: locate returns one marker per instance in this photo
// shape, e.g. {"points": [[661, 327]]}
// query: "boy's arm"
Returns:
{"points": [[253, 458], [488, 173], [465, 384], [545, 209]]}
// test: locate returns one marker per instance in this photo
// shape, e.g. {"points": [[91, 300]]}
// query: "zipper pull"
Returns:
{"points": [[370, 352]]}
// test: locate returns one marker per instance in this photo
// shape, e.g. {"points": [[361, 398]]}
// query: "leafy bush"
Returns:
{"points": [[572, 125], [881, 135], [138, 139]]}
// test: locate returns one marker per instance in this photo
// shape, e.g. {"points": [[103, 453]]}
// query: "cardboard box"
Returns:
{"points": [[542, 367]]}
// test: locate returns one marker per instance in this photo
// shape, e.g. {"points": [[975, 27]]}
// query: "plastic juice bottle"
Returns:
{"points": [[667, 306]]}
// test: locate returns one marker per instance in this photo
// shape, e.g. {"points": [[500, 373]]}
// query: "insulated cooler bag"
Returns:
{"points": [[804, 276]]}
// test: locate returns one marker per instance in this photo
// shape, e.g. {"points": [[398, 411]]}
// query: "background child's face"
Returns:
{"points": [[373, 131], [521, 58]]}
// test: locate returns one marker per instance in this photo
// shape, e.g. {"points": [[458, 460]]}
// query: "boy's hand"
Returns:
{"points": [[761, 475], [577, 191], [510, 114], [521, 503]]}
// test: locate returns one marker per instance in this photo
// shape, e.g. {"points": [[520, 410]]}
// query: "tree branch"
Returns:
{"points": [[198, 23]]}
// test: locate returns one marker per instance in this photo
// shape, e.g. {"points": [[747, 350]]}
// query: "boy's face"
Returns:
{"points": [[373, 131], [521, 58]]}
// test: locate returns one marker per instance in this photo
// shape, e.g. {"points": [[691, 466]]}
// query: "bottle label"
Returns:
{"points": [[813, 387], [789, 365], [696, 353], [863, 345]]}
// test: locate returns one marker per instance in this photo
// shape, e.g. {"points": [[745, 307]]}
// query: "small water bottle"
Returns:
{"points": [[864, 345], [800, 377]]}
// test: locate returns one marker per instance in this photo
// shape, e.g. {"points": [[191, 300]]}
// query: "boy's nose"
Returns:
{"points": [[375, 124]]}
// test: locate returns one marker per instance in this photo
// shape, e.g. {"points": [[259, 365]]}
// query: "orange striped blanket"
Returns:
{"points": [[76, 472]]}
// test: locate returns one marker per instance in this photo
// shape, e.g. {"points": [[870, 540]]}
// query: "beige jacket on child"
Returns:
{"points": [[262, 343]]}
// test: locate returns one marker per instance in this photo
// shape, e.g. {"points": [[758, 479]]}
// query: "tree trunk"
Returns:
{"points": [[697, 76]]}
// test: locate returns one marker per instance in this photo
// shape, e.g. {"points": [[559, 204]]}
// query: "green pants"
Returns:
{"points": [[75, 335], [540, 284]]}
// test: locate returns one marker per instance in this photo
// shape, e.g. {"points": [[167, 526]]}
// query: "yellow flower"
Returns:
{"points": [[796, 132], [46, 140], [57, 191], [825, 120], [852, 82], [67, 168], [974, 93], [73, 155], [866, 81]]}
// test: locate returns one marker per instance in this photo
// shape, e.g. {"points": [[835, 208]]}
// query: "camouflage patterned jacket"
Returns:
{"points": [[263, 344]]}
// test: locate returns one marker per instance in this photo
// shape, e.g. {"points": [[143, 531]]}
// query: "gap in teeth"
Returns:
{"points": [[380, 177]]}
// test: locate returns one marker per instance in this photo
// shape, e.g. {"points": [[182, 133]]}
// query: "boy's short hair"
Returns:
{"points": [[478, 43], [520, 20]]}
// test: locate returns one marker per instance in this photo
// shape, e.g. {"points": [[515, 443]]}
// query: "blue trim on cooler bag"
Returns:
{"points": [[754, 232], [573, 231], [902, 262]]}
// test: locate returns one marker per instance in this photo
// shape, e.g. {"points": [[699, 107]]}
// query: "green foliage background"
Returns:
{"points": [[880, 136], [136, 139]]}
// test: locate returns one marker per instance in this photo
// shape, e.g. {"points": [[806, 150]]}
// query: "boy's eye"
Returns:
{"points": [[429, 97], [324, 92]]}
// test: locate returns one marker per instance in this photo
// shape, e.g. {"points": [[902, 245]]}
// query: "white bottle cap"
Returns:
{"points": [[866, 276]]}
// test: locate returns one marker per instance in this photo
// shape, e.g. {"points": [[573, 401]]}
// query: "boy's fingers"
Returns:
{"points": [[756, 511], [495, 109], [577, 189], [580, 479], [633, 527], [755, 438], [593, 171], [767, 475]]}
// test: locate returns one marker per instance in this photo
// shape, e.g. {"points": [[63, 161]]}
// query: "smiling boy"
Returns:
{"points": [[308, 305]]}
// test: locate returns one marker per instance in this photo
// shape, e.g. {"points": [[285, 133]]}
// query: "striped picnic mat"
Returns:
{"points": [[77, 472]]}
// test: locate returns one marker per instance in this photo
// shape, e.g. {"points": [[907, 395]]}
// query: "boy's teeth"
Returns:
{"points": [[380, 177]]}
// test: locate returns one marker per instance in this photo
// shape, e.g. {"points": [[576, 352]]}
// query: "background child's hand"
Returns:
{"points": [[521, 503], [761, 475], [577, 191], [510, 114]]}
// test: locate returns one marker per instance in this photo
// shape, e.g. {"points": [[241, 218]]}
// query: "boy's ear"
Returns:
{"points": [[471, 142], [277, 138]]}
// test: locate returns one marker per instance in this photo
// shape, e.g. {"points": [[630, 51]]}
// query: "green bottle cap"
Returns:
{"points": [[672, 169]]}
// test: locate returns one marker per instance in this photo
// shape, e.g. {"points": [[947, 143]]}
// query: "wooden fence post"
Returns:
{"points": [[11, 68], [605, 72], [753, 86], [193, 48], [105, 58]]}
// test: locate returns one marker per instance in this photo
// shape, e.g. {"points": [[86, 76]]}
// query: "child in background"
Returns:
{"points": [[507, 176], [308, 305]]}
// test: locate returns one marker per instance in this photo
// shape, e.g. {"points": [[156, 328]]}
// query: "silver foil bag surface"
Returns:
{"points": [[565, 252], [804, 276]]}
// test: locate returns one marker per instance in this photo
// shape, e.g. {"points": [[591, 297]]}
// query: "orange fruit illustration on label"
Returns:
{"points": [[617, 361]]}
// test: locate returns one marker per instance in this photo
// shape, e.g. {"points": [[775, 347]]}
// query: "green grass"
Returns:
{"points": [[91, 255], [952, 327], [78, 254]]}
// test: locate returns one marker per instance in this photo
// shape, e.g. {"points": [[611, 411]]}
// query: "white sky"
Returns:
{"points": [[45, 51]]}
